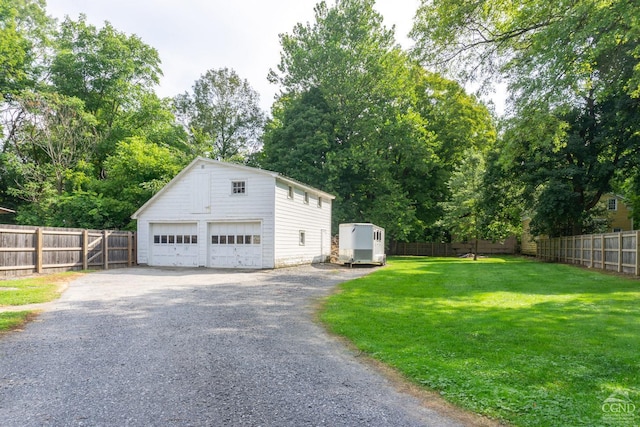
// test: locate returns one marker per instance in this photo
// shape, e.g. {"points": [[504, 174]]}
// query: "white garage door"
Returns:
{"points": [[235, 245], [174, 245]]}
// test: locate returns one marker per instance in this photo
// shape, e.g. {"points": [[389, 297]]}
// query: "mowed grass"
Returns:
{"points": [[530, 343], [18, 292]]}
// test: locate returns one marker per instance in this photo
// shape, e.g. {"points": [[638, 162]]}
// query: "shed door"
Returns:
{"points": [[174, 245], [235, 245]]}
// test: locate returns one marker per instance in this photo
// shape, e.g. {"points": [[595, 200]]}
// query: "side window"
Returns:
{"points": [[238, 187], [290, 193], [319, 201], [302, 238], [306, 198], [612, 204]]}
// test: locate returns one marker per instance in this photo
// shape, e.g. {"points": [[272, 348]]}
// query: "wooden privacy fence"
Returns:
{"points": [[611, 251], [507, 247], [27, 250]]}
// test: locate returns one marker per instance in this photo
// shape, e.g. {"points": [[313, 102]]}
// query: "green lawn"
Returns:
{"points": [[33, 290], [531, 343]]}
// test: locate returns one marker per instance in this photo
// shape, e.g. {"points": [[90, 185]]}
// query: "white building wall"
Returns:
{"points": [[204, 195], [293, 215]]}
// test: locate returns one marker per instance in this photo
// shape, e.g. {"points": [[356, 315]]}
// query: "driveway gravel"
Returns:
{"points": [[195, 347]]}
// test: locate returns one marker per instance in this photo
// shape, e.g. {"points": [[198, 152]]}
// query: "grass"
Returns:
{"points": [[525, 342], [33, 290]]}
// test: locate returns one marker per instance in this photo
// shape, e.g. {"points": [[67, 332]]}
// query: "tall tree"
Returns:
{"points": [[108, 70], [52, 133], [222, 116], [464, 215], [351, 121], [572, 69], [24, 29]]}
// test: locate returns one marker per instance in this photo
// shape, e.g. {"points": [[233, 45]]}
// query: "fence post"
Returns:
{"points": [[105, 249], [604, 252], [39, 249], [637, 253], [620, 252], [591, 253], [85, 249], [129, 249]]}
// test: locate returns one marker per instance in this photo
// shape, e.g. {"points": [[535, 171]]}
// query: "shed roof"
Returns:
{"points": [[276, 175]]}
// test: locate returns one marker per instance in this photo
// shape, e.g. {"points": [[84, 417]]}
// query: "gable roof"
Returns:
{"points": [[190, 166]]}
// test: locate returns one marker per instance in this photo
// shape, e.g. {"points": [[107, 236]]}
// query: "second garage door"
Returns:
{"points": [[235, 245]]}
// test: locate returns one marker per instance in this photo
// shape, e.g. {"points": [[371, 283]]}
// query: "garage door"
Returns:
{"points": [[235, 245], [174, 245]]}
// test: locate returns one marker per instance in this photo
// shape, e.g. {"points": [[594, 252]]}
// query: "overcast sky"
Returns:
{"points": [[193, 36]]}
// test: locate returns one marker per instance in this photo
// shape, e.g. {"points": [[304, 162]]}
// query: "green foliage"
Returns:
{"points": [[573, 74], [528, 343], [79, 153], [108, 70], [23, 36], [368, 126], [566, 171], [463, 211], [138, 166], [222, 116]]}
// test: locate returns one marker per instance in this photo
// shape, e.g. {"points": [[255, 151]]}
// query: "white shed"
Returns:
{"points": [[224, 215]]}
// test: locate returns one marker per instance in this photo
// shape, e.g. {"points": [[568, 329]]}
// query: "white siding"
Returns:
{"points": [[204, 195], [293, 216]]}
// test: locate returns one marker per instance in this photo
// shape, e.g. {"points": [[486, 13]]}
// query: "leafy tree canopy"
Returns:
{"points": [[222, 116]]}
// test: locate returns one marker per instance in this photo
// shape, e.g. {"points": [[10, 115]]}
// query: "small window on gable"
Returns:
{"points": [[302, 238], [306, 198], [613, 204], [290, 193], [238, 187], [319, 201]]}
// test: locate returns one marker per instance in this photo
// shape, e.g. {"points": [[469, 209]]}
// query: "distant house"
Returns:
{"points": [[223, 215], [619, 213], [6, 211], [618, 219]]}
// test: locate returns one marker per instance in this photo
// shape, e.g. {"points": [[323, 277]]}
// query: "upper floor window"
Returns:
{"points": [[319, 201], [306, 198], [612, 204], [238, 187], [290, 193]]}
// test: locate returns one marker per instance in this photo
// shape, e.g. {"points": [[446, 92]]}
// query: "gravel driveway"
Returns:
{"points": [[194, 347]]}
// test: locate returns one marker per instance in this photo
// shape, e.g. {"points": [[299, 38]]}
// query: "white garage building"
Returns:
{"points": [[223, 215]]}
